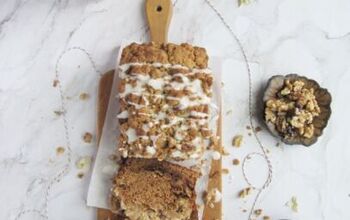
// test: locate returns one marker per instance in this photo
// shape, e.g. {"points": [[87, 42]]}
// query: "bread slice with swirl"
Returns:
{"points": [[148, 189]]}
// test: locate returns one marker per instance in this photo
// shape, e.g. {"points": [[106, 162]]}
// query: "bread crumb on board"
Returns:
{"points": [[236, 162], [225, 171], [258, 129], [258, 212], [58, 112], [212, 197]]}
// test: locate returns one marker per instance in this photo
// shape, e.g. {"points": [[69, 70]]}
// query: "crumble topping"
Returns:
{"points": [[164, 111], [293, 110]]}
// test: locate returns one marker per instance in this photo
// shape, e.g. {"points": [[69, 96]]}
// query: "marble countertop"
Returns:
{"points": [[279, 36]]}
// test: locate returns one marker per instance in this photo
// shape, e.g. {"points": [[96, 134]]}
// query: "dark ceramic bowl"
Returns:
{"points": [[323, 98]]}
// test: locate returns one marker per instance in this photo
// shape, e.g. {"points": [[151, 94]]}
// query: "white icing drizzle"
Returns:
{"points": [[123, 115], [136, 84]]}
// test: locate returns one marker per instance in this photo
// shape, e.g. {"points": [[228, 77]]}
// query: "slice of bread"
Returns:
{"points": [[148, 189]]}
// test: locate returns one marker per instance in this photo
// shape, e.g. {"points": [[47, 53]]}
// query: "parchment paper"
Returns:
{"points": [[105, 168]]}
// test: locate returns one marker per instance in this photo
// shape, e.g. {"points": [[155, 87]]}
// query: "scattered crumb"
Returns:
{"points": [[78, 66], [258, 129], [229, 112], [266, 217], [58, 112], [258, 212], [248, 127], [55, 82], [293, 204], [60, 150], [212, 197], [237, 140], [245, 192], [277, 144], [80, 175], [216, 155], [84, 96], [249, 133], [87, 137], [84, 162], [235, 162], [267, 151], [213, 174], [224, 152], [225, 171], [222, 84], [244, 210]]}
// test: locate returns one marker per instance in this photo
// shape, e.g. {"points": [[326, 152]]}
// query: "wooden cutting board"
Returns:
{"points": [[104, 91], [159, 14]]}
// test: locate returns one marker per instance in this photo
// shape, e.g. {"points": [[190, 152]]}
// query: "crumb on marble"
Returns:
{"points": [[55, 82], [248, 127], [80, 175], [225, 171], [258, 129], [84, 162], [266, 217], [244, 210], [60, 150], [113, 157], [249, 134], [236, 162], [229, 112], [293, 204], [213, 174], [212, 197], [87, 137], [237, 140], [244, 192], [84, 96], [258, 212], [58, 112]]}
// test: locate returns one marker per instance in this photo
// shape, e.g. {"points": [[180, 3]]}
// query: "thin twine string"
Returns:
{"points": [[62, 173], [251, 122]]}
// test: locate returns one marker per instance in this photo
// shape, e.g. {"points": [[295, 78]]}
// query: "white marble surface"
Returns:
{"points": [[280, 36]]}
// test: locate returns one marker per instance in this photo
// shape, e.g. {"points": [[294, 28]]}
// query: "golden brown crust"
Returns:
{"points": [[158, 189], [183, 54]]}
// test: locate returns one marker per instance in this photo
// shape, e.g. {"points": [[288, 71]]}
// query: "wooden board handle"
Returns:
{"points": [[159, 14]]}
